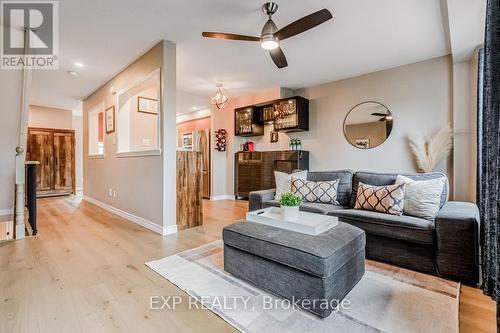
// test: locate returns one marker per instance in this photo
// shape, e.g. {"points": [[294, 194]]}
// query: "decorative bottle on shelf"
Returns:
{"points": [[295, 144]]}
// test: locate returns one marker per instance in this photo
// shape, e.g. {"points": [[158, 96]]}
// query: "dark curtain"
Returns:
{"points": [[489, 152]]}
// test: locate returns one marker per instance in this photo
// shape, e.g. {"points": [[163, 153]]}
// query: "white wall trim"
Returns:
{"points": [[7, 211], [132, 218], [222, 197], [169, 229], [152, 152], [194, 115]]}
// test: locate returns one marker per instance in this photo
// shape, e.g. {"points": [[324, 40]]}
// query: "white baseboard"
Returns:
{"points": [[169, 230], [132, 218], [7, 211], [222, 197]]}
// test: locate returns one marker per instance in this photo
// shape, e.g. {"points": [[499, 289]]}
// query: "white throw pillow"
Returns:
{"points": [[284, 181], [422, 197]]}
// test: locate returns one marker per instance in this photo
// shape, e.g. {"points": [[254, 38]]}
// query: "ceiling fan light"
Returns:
{"points": [[269, 42]]}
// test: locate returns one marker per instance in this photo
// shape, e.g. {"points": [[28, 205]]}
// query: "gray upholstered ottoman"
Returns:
{"points": [[321, 269]]}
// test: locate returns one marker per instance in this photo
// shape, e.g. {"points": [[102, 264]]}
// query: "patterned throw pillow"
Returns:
{"points": [[324, 192], [385, 199], [284, 181]]}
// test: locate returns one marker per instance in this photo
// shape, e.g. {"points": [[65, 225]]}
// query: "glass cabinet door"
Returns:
{"points": [[268, 113], [244, 121], [285, 114]]}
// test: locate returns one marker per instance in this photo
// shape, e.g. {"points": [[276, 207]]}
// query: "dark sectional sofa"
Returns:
{"points": [[447, 247]]}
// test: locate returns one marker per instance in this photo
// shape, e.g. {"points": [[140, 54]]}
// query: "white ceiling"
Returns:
{"points": [[364, 36]]}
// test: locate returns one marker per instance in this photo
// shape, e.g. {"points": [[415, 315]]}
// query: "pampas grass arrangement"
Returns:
{"points": [[428, 153]]}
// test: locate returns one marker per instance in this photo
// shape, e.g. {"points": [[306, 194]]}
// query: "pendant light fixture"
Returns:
{"points": [[219, 100]]}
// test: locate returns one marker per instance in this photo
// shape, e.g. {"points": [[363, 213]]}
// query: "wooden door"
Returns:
{"points": [[40, 148], [64, 161]]}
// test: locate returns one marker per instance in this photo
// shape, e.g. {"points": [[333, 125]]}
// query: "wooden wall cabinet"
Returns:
{"points": [[291, 114], [286, 115], [55, 150], [248, 121], [255, 171]]}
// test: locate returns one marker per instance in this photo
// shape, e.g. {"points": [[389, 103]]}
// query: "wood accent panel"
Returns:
{"points": [[55, 150], [189, 189], [40, 148], [98, 259], [64, 164]]}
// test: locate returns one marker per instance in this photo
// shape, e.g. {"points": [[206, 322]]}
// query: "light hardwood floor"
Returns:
{"points": [[85, 272]]}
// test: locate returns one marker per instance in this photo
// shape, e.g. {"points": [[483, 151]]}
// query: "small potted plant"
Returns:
{"points": [[290, 206]]}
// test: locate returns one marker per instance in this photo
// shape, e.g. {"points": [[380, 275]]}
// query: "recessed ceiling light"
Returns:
{"points": [[73, 73], [79, 64]]}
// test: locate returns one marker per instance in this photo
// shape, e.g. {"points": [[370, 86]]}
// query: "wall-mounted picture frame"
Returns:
{"points": [[147, 105], [274, 137], [109, 115], [363, 143]]}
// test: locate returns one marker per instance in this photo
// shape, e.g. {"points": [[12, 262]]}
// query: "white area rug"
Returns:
{"points": [[387, 299]]}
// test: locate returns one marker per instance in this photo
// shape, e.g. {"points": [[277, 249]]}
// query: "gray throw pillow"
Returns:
{"points": [[422, 197], [322, 191]]}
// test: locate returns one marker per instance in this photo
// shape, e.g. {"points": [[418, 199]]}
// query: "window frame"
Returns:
{"points": [[141, 153], [98, 107]]}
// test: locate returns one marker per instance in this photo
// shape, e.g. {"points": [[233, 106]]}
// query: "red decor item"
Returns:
{"points": [[249, 146]]}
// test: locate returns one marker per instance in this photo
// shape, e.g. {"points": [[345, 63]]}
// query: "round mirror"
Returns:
{"points": [[368, 125]]}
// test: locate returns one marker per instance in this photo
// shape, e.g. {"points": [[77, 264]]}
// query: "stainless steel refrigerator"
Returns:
{"points": [[202, 140]]}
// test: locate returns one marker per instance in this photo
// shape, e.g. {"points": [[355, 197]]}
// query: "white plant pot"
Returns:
{"points": [[289, 213]]}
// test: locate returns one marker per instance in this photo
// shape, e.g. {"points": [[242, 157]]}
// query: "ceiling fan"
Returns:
{"points": [[385, 116], [270, 36]]}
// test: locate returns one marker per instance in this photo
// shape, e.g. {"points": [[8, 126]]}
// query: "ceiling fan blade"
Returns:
{"points": [[278, 57], [382, 119], [379, 114], [224, 35], [304, 24]]}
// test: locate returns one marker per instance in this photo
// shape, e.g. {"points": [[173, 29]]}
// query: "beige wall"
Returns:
{"points": [[137, 181], [46, 117], [418, 96], [145, 124], [10, 97], [78, 127], [465, 129]]}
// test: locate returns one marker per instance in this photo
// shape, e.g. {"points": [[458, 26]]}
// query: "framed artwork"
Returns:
{"points": [[110, 119], [363, 143], [147, 105], [274, 137]]}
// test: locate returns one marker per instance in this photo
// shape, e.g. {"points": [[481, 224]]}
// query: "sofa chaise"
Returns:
{"points": [[448, 246]]}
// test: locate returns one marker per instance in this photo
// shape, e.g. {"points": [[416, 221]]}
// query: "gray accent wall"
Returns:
{"points": [[145, 186], [418, 95]]}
